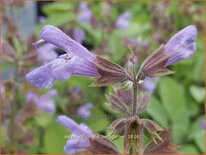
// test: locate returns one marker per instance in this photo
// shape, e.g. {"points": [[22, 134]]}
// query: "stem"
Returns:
{"points": [[141, 140], [134, 93], [134, 98]]}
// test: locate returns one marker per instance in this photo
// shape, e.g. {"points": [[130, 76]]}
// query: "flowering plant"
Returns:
{"points": [[131, 101]]}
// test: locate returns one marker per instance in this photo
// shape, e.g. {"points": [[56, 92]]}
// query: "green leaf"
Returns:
{"points": [[56, 20], [178, 133], [198, 93], [55, 138], [94, 36], [200, 140], [195, 126], [193, 106], [157, 112], [58, 8], [173, 98], [117, 47], [98, 121], [198, 70], [136, 29], [119, 143], [189, 149]]}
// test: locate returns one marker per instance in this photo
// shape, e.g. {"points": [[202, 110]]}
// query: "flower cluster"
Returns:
{"points": [[78, 61]]}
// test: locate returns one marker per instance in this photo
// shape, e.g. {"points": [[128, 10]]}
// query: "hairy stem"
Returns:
{"points": [[134, 98], [134, 92]]}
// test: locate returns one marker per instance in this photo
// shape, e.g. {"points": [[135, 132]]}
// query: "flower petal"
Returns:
{"points": [[123, 20], [46, 105], [41, 77], [150, 84], [85, 13], [31, 96], [76, 145], [56, 37], [74, 66], [73, 126], [85, 110], [79, 35], [182, 45]]}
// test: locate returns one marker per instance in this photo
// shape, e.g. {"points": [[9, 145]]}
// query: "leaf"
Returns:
{"points": [[151, 126], [193, 106], [157, 111], [55, 138], [154, 64], [198, 72], [195, 126], [136, 29], [117, 47], [174, 101], [178, 133], [200, 140], [98, 120], [110, 72], [198, 93], [118, 142], [56, 20], [94, 36], [55, 8], [189, 149]]}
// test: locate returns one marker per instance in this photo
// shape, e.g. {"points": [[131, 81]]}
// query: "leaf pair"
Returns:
{"points": [[155, 64], [122, 102], [110, 72], [133, 129]]}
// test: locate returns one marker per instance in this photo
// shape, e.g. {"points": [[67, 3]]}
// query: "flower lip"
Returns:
{"points": [[73, 126], [40, 77]]}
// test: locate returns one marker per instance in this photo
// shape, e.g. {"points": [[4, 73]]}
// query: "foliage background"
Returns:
{"points": [[178, 100]]}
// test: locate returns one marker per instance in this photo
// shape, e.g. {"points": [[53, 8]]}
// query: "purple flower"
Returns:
{"points": [[85, 110], [76, 90], [84, 13], [46, 53], [45, 102], [41, 19], [150, 84], [123, 20], [79, 140], [84, 16], [202, 124], [77, 61], [182, 45], [78, 35]]}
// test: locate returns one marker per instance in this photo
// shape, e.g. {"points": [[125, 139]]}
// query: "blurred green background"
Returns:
{"points": [[177, 102]]}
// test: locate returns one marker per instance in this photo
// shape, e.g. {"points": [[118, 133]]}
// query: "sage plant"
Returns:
{"points": [[130, 101]]}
